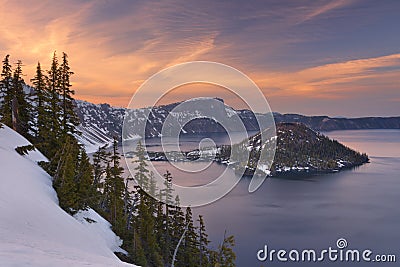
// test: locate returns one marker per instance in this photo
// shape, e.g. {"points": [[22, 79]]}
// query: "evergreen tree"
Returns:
{"points": [[138, 253], [160, 229], [54, 133], [146, 228], [21, 108], [224, 256], [166, 195], [178, 231], [63, 175], [41, 100], [72, 176], [84, 179], [69, 119], [203, 243], [152, 186], [6, 92], [190, 249], [107, 192], [145, 221], [100, 160], [129, 203], [141, 171], [114, 189], [53, 84], [15, 109]]}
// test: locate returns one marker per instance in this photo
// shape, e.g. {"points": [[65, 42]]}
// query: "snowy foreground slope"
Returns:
{"points": [[34, 230]]}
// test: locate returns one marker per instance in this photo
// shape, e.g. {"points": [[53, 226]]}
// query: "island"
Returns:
{"points": [[299, 150]]}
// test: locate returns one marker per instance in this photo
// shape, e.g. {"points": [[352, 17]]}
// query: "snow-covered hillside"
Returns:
{"points": [[34, 230]]}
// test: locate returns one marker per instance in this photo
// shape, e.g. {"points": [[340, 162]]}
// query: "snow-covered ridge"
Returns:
{"points": [[101, 122], [34, 230], [107, 121]]}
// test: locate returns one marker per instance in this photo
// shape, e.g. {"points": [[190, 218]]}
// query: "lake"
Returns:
{"points": [[360, 205]]}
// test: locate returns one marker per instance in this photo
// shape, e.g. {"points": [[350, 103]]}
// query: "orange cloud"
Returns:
{"points": [[102, 69], [330, 80]]}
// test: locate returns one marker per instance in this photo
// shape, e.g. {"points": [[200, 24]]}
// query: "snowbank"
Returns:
{"points": [[34, 230], [99, 226]]}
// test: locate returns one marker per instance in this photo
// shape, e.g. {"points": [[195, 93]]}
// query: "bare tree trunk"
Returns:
{"points": [[177, 246]]}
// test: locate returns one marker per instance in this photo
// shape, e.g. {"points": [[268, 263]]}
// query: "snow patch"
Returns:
{"points": [[101, 227]]}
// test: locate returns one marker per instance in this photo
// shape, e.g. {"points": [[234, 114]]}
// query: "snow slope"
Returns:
{"points": [[34, 230]]}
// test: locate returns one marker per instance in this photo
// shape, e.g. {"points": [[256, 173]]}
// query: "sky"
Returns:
{"points": [[337, 58]]}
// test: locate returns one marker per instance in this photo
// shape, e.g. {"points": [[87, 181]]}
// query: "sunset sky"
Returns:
{"points": [[338, 58]]}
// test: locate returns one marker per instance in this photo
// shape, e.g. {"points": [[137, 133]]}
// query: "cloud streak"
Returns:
{"points": [[320, 10]]}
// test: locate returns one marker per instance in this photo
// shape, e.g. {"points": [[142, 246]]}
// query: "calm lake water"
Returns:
{"points": [[360, 205]]}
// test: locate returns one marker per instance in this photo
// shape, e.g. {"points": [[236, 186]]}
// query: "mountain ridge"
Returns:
{"points": [[101, 122]]}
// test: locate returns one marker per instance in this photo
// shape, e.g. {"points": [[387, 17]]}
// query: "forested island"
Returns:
{"points": [[299, 150]]}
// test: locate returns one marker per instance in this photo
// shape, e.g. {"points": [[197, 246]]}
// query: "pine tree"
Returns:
{"points": [[168, 190], [53, 83], [147, 232], [166, 196], [114, 189], [191, 251], [72, 176], [54, 133], [179, 231], [107, 192], [69, 119], [129, 203], [141, 171], [228, 255], [203, 243], [41, 99], [138, 251], [224, 256], [84, 179], [6, 92], [145, 220], [160, 228], [16, 84], [65, 163], [15, 108], [22, 109], [100, 160]]}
